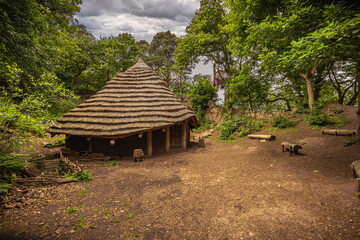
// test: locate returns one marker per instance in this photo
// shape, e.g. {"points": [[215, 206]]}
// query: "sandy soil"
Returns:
{"points": [[245, 189]]}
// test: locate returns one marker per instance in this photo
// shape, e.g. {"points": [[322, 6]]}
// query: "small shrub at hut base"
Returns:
{"points": [[84, 176], [281, 122]]}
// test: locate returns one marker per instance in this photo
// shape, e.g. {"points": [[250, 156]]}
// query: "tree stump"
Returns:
{"points": [[356, 168], [201, 143], [138, 155]]}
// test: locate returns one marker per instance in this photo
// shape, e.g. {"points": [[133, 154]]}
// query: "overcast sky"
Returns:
{"points": [[141, 18]]}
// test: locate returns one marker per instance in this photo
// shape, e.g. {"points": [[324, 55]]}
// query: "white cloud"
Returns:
{"points": [[141, 18]]}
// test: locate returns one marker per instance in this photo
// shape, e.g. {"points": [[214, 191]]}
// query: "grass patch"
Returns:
{"points": [[78, 225], [349, 141], [130, 225], [107, 212], [113, 163], [96, 210], [126, 204], [83, 192], [130, 216], [84, 176], [116, 220], [71, 210]]}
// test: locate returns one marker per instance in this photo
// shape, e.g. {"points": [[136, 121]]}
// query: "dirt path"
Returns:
{"points": [[241, 190]]}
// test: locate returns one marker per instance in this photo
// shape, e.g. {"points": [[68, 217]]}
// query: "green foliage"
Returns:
{"points": [[84, 176], [116, 220], [4, 188], [240, 124], [349, 141], [281, 121], [55, 143], [206, 124], [11, 163], [201, 93], [130, 216], [316, 118], [71, 210], [113, 163], [83, 192]]}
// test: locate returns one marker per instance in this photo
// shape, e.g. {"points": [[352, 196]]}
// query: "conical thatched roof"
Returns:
{"points": [[132, 102]]}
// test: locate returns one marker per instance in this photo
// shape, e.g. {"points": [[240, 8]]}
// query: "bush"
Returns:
{"points": [[201, 93], [228, 128], [4, 188], [315, 118], [281, 122], [242, 125], [11, 163], [350, 141], [84, 176]]}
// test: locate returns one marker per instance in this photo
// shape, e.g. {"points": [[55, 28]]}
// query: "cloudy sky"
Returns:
{"points": [[142, 18]]}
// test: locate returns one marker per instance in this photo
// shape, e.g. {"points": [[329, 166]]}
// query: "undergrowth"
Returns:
{"points": [[281, 122], [241, 125]]}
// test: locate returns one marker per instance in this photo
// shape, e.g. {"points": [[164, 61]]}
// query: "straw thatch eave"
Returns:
{"points": [[132, 102]]}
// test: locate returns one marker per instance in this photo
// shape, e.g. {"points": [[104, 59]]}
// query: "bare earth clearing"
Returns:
{"points": [[246, 189]]}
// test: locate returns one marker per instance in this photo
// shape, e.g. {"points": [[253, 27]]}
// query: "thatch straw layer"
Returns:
{"points": [[132, 102]]}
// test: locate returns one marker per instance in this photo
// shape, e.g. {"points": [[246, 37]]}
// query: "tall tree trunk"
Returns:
{"points": [[358, 112], [310, 90], [309, 79]]}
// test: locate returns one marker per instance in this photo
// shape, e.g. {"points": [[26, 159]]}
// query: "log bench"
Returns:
{"points": [[337, 132], [291, 147], [261, 137]]}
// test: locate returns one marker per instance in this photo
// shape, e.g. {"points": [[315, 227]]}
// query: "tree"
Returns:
{"points": [[205, 39], [201, 93], [293, 38]]}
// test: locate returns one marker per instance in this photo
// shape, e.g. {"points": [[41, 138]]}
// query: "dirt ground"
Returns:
{"points": [[245, 189]]}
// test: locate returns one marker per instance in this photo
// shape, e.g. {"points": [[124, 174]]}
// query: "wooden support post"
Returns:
{"points": [[90, 144], [167, 146], [184, 135], [149, 143]]}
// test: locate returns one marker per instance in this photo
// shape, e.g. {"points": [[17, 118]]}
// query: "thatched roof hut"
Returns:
{"points": [[134, 110]]}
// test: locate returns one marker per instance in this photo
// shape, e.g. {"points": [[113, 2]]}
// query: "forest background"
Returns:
{"points": [[267, 55]]}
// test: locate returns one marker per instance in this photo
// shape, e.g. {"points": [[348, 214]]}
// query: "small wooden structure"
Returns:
{"points": [[290, 147], [135, 110], [337, 132], [261, 137], [138, 155]]}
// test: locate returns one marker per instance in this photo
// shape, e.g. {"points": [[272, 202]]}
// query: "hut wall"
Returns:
{"points": [[78, 144], [159, 141], [175, 136], [123, 147]]}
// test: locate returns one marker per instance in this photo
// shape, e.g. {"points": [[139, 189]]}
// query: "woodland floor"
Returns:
{"points": [[245, 189]]}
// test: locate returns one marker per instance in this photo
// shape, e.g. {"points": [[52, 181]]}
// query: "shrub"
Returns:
{"points": [[4, 188], [315, 118], [242, 125], [84, 176], [350, 141], [281, 122], [71, 210], [228, 128], [11, 163]]}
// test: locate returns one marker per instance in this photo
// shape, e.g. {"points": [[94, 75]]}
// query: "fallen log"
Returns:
{"points": [[30, 171], [44, 181], [337, 132], [265, 137]]}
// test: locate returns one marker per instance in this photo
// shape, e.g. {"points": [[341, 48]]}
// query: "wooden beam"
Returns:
{"points": [[90, 144], [149, 143], [184, 135], [167, 146]]}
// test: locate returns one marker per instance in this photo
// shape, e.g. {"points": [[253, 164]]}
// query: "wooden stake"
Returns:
{"points": [[149, 143], [183, 135], [167, 146]]}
